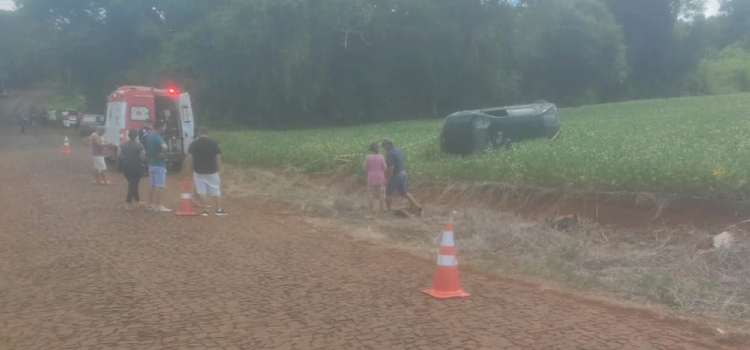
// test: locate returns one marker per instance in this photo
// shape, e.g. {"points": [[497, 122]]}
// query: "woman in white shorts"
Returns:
{"points": [[98, 151]]}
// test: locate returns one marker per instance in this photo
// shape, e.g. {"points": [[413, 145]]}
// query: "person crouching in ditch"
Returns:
{"points": [[396, 175], [374, 165]]}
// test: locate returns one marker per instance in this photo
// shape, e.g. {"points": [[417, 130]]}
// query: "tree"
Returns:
{"points": [[736, 15], [332, 61], [577, 52], [727, 71], [96, 41], [650, 37], [292, 63], [24, 58]]}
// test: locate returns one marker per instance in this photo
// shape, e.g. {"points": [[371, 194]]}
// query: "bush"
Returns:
{"points": [[726, 72]]}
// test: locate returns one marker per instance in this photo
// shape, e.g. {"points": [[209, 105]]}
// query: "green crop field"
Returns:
{"points": [[696, 146]]}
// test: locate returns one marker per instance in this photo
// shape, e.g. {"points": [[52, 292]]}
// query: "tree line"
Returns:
{"points": [[296, 63]]}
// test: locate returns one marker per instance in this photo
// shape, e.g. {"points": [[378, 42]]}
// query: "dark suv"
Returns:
{"points": [[469, 131]]}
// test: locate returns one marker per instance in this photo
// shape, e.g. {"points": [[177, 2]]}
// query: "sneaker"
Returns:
{"points": [[161, 208], [220, 212], [151, 208], [204, 213]]}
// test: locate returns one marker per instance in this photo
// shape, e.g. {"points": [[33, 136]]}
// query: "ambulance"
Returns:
{"points": [[129, 107]]}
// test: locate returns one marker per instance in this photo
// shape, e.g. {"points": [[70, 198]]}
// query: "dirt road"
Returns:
{"points": [[76, 272]]}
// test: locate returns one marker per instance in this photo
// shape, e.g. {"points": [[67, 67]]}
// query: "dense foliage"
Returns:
{"points": [[290, 63]]}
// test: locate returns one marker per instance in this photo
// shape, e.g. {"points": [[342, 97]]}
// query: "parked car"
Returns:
{"points": [[89, 122], [469, 131], [3, 92], [69, 117]]}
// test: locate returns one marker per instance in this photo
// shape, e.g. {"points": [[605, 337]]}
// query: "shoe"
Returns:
{"points": [[204, 213], [162, 209], [221, 212], [151, 208]]}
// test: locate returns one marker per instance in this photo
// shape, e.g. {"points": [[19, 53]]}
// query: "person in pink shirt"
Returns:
{"points": [[374, 165]]}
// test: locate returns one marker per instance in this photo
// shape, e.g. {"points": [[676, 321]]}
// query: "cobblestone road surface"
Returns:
{"points": [[77, 272]]}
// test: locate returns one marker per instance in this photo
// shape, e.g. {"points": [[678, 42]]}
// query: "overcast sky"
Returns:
{"points": [[6, 4], [712, 6]]}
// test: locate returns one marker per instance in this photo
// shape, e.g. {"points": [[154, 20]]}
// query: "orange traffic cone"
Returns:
{"points": [[186, 200], [66, 147], [446, 283]]}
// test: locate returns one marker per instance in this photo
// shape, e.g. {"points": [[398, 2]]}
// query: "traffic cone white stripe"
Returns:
{"points": [[447, 260], [447, 240], [186, 196]]}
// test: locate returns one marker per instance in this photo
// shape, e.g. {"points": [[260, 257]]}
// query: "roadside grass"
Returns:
{"points": [[670, 269]]}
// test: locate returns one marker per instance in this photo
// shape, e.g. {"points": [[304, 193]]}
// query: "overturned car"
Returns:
{"points": [[469, 131]]}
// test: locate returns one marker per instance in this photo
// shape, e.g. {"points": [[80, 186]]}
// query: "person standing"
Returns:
{"points": [[97, 156], [44, 117], [396, 175], [375, 166], [133, 155], [52, 116], [144, 131], [65, 118], [204, 156], [32, 120], [22, 118], [195, 189], [157, 166], [79, 118]]}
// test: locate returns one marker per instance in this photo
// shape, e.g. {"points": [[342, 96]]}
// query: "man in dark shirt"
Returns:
{"points": [[205, 157], [396, 175], [133, 155]]}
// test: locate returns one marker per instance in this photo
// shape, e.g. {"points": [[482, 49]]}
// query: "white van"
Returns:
{"points": [[129, 107]]}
